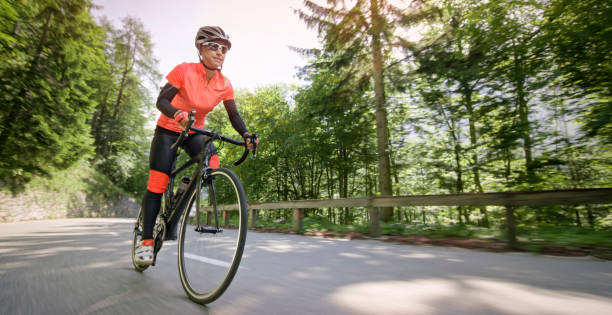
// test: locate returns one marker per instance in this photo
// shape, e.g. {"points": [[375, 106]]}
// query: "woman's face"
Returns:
{"points": [[213, 58]]}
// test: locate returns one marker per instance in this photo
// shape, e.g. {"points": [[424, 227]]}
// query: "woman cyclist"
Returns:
{"points": [[199, 86]]}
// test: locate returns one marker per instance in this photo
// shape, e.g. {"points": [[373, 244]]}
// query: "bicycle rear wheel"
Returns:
{"points": [[136, 238], [208, 257]]}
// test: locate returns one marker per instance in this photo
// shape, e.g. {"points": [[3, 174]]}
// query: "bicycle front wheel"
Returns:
{"points": [[211, 242]]}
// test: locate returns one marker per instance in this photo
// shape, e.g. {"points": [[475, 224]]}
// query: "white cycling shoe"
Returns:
{"points": [[143, 255]]}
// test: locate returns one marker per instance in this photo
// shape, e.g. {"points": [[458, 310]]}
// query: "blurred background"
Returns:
{"points": [[350, 99]]}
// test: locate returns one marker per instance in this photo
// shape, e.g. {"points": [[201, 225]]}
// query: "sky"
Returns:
{"points": [[260, 32]]}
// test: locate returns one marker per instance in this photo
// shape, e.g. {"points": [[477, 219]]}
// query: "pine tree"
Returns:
{"points": [[362, 33]]}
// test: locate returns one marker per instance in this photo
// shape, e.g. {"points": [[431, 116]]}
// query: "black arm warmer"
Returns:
{"points": [[166, 95], [232, 112]]}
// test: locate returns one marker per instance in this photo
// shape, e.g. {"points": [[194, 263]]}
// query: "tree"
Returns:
{"points": [[336, 107], [452, 57], [45, 81], [131, 59], [123, 99], [520, 57], [363, 24], [580, 37]]}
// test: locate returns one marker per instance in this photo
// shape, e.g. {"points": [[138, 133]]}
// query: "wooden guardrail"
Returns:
{"points": [[508, 199]]}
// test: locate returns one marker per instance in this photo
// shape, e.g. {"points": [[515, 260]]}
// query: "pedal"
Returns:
{"points": [[208, 229]]}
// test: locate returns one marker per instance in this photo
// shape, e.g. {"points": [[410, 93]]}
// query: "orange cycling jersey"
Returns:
{"points": [[195, 93]]}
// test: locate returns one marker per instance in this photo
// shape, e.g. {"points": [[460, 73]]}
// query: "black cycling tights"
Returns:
{"points": [[161, 159]]}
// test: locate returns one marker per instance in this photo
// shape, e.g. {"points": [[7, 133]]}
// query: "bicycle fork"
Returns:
{"points": [[202, 228]]}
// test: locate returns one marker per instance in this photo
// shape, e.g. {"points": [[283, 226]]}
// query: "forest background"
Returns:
{"points": [[498, 95]]}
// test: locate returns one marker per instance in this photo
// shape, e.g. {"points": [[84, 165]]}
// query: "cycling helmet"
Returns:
{"points": [[210, 33]]}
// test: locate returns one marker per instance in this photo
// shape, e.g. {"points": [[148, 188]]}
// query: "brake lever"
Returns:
{"points": [[179, 141], [254, 140]]}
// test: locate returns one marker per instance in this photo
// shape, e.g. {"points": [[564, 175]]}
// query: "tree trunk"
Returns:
{"points": [[507, 164], [578, 221], [474, 142], [41, 45], [129, 64], [382, 131], [107, 149], [590, 216], [458, 169], [347, 215], [511, 225], [524, 118], [97, 123], [521, 103]]}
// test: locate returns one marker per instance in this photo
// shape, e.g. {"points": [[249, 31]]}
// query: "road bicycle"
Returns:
{"points": [[209, 251]]}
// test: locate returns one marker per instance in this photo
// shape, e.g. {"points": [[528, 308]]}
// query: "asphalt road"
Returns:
{"points": [[83, 266]]}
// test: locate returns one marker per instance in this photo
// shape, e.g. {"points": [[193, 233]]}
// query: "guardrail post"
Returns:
{"points": [[253, 218], [374, 218], [298, 220]]}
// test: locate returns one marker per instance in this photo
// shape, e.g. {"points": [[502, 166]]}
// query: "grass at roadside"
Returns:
{"points": [[558, 240]]}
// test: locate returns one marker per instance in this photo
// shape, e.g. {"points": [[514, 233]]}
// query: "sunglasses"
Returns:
{"points": [[216, 46]]}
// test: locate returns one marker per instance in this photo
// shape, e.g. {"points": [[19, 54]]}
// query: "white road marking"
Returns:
{"points": [[209, 260]]}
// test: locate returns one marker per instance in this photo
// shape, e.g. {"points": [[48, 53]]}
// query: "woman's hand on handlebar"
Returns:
{"points": [[248, 139], [182, 119]]}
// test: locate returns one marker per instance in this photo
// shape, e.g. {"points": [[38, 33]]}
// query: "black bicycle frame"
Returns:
{"points": [[201, 173], [196, 180]]}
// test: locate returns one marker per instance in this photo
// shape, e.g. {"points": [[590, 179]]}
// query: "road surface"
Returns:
{"points": [[83, 266]]}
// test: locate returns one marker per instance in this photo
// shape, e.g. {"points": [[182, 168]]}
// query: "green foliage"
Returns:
{"points": [[267, 113], [311, 225], [270, 224], [580, 38], [61, 97], [479, 104], [497, 95], [321, 224], [538, 236], [439, 230], [118, 124], [357, 38], [45, 78]]}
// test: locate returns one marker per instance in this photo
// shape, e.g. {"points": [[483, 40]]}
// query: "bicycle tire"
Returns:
{"points": [[136, 238], [208, 262]]}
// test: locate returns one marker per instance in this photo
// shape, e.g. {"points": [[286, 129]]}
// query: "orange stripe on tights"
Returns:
{"points": [[158, 181]]}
